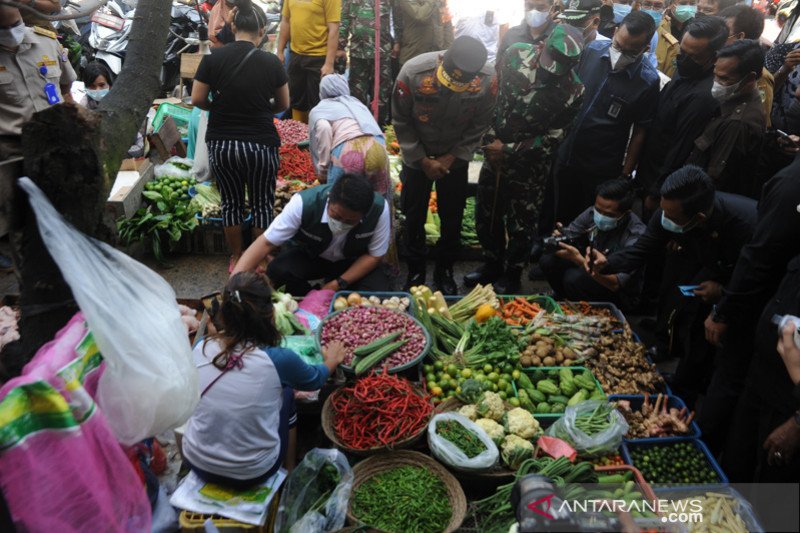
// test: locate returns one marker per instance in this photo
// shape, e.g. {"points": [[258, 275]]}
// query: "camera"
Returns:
{"points": [[551, 244]]}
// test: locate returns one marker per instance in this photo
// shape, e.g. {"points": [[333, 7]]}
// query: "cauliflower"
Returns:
{"points": [[492, 428], [491, 406], [515, 450], [469, 411], [521, 423]]}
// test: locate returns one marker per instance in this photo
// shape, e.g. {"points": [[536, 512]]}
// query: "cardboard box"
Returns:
{"points": [[126, 195]]}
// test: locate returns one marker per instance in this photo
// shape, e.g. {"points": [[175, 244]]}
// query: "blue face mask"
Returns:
{"points": [[603, 222], [620, 12], [684, 13], [656, 15], [98, 94], [671, 226]]}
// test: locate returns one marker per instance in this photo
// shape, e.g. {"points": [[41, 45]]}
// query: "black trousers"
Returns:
{"points": [[304, 77], [294, 268], [451, 197], [571, 282]]}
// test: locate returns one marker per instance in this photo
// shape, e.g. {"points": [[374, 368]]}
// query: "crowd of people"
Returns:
{"points": [[641, 154]]}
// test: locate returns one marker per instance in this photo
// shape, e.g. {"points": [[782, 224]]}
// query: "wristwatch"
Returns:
{"points": [[343, 284]]}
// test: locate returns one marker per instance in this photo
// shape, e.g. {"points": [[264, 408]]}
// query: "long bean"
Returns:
{"points": [[405, 499]]}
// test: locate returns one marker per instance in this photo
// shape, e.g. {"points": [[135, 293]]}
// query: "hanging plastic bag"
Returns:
{"points": [[322, 474], [150, 381], [602, 443], [450, 454]]}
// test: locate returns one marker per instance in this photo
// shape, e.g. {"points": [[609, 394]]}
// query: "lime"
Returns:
{"points": [[432, 385], [487, 368], [502, 384], [480, 377], [514, 401], [452, 370], [438, 365], [444, 384], [466, 373], [502, 395], [458, 390], [427, 368], [451, 393], [493, 377], [185, 183], [515, 374], [430, 377], [494, 387], [510, 390]]}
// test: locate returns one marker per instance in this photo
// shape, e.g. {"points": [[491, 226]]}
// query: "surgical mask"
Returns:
{"points": [[97, 94], [536, 18], [724, 92], [12, 37], [619, 60], [620, 12], [656, 15], [684, 13], [338, 227], [603, 222], [671, 226], [688, 67]]}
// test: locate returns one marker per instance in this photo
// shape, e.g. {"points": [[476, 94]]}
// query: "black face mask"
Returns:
{"points": [[687, 67]]}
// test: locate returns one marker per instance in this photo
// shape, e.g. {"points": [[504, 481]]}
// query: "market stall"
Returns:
{"points": [[444, 404]]}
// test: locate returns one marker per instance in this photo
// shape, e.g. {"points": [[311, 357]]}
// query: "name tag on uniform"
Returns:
{"points": [[614, 109]]}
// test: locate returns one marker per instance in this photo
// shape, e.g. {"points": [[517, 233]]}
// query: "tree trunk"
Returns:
{"points": [[73, 155]]}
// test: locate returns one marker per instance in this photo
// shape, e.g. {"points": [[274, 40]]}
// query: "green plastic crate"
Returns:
{"points": [[178, 113]]}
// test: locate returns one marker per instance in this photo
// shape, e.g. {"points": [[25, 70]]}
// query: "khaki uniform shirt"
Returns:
{"points": [[667, 48], [419, 24], [430, 120], [766, 88], [22, 85]]}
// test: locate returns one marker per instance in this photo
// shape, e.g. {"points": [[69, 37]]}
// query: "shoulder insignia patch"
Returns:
{"points": [[46, 33], [427, 86]]}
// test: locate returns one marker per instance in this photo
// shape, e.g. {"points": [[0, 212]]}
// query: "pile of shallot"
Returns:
{"points": [[359, 326], [291, 131]]}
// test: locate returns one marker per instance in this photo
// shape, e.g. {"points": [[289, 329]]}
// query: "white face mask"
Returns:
{"points": [[724, 92], [338, 227], [12, 37], [619, 60], [537, 19]]}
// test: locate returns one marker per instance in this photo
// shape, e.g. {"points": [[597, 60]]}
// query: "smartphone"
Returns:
{"points": [[688, 290], [785, 136], [212, 302]]}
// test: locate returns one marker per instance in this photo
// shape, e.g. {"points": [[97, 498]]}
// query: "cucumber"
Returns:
{"points": [[543, 408], [536, 396], [377, 344], [557, 398]]}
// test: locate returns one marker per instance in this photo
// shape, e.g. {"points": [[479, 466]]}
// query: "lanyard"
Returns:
{"points": [[234, 361]]}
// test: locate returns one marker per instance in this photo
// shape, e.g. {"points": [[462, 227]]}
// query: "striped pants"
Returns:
{"points": [[239, 164]]}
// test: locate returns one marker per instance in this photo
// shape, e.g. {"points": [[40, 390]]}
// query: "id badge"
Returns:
{"points": [[488, 19], [51, 92], [615, 108]]}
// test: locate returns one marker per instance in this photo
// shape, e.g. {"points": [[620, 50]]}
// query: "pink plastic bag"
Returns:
{"points": [[61, 467]]}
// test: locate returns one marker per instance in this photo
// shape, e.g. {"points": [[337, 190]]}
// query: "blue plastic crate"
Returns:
{"points": [[745, 511], [637, 400], [382, 295], [700, 445]]}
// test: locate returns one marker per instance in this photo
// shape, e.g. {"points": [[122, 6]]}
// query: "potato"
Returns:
{"points": [[354, 299], [537, 337], [542, 351], [569, 353], [536, 361], [559, 358], [525, 361], [549, 361]]}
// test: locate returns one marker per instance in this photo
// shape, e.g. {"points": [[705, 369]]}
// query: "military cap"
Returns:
{"points": [[580, 9], [461, 63], [562, 49]]}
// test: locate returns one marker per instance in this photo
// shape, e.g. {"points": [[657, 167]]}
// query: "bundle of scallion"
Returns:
{"points": [[465, 308]]}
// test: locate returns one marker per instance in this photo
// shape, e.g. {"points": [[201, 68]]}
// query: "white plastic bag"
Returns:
{"points": [[603, 443], [171, 168], [303, 489], [201, 169], [450, 454], [150, 381]]}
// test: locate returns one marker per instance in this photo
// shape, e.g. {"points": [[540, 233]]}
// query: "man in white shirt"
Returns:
{"points": [[338, 233], [483, 21]]}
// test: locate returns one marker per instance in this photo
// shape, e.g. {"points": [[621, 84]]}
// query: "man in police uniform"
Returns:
{"points": [[442, 105], [35, 73], [540, 95]]}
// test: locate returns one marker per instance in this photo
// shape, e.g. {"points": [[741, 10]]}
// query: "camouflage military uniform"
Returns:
{"points": [[358, 27], [533, 109]]}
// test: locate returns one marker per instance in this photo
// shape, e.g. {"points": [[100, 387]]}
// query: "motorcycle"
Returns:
{"points": [[109, 31]]}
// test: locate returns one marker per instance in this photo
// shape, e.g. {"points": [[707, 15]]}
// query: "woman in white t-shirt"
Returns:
{"points": [[239, 433]]}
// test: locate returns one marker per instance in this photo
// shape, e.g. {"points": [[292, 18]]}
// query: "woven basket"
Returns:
{"points": [[497, 474], [329, 428], [379, 464]]}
